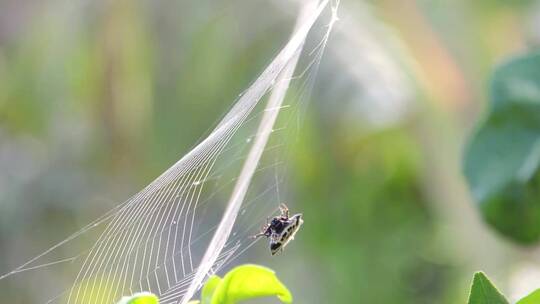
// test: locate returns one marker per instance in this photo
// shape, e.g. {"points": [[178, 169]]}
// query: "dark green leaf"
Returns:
{"points": [[483, 291], [502, 158]]}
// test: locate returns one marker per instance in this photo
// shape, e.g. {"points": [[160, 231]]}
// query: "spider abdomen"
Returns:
{"points": [[288, 229]]}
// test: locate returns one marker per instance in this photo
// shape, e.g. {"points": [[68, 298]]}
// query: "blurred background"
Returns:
{"points": [[97, 98]]}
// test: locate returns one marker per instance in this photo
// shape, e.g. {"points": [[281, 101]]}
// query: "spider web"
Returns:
{"points": [[152, 242]]}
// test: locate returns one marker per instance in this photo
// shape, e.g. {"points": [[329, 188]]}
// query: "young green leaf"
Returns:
{"points": [[532, 298], [140, 298], [484, 292], [502, 159], [209, 288], [248, 282]]}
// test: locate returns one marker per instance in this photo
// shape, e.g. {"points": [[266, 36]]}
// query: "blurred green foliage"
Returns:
{"points": [[502, 160], [380, 226], [98, 98]]}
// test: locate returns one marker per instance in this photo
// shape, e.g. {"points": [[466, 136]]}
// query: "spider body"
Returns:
{"points": [[281, 229]]}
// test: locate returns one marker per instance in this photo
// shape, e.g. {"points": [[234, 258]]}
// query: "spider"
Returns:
{"points": [[281, 229]]}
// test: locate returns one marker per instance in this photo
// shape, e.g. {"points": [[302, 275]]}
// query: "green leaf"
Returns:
{"points": [[140, 298], [532, 298], [483, 291], [209, 288], [248, 282], [502, 159]]}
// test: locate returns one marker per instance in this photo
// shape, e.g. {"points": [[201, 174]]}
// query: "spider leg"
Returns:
{"points": [[258, 235], [263, 232], [284, 210]]}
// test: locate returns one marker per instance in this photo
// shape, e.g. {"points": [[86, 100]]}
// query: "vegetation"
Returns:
{"points": [[413, 153], [241, 283]]}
